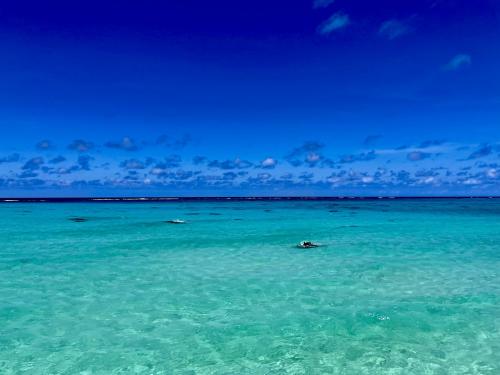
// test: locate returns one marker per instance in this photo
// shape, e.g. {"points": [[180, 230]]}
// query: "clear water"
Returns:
{"points": [[400, 287]]}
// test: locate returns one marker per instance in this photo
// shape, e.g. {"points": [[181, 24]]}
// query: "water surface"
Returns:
{"points": [[400, 287]]}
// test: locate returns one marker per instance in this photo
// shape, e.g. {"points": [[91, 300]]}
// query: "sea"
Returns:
{"points": [[398, 286]]}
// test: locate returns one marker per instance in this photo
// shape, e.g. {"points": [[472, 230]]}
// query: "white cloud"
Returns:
{"points": [[268, 163], [429, 180], [459, 61], [472, 181], [393, 29], [337, 21], [313, 157], [491, 173]]}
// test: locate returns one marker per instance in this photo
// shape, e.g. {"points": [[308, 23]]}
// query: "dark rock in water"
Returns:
{"points": [[308, 245], [78, 219], [176, 221]]}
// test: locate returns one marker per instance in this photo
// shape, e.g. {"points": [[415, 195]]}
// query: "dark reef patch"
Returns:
{"points": [[78, 219]]}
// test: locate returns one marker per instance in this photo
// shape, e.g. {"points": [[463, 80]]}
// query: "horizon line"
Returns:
{"points": [[232, 198]]}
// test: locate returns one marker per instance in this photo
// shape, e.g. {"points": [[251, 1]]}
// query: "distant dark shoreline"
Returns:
{"points": [[222, 199]]}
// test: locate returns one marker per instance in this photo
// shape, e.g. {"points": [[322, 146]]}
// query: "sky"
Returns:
{"points": [[243, 98]]}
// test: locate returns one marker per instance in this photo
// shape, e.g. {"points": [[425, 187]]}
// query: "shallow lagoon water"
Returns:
{"points": [[400, 287]]}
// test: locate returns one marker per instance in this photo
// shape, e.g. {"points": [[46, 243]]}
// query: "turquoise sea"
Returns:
{"points": [[399, 287]]}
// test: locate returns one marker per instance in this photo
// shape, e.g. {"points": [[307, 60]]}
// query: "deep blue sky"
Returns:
{"points": [[250, 97]]}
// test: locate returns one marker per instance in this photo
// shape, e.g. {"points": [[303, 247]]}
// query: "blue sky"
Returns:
{"points": [[250, 98]]}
